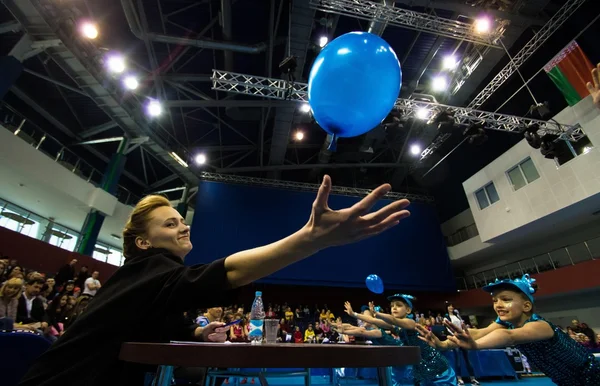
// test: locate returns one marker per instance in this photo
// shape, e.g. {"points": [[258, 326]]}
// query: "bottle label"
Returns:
{"points": [[256, 329]]}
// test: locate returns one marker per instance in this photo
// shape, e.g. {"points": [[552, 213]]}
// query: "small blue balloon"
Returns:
{"points": [[353, 84], [374, 284]]}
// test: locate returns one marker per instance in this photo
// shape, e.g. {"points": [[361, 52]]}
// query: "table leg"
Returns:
{"points": [[165, 376], [262, 379], [384, 374], [307, 377]]}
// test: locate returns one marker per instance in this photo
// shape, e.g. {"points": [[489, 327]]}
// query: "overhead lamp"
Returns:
{"points": [[483, 25], [444, 120], [305, 107], [89, 30], [531, 135], [177, 158], [449, 62], [200, 159], [299, 135], [323, 40], [154, 108], [116, 64], [415, 149], [130, 82], [548, 146], [439, 83], [422, 113], [476, 134]]}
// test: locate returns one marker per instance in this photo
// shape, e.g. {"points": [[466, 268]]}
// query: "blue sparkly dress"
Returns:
{"points": [[561, 358], [433, 369], [400, 375]]}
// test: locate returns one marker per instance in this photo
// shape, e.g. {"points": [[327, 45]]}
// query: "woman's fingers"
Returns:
{"points": [[386, 211]]}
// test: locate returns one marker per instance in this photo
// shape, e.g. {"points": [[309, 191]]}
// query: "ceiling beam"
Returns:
{"points": [[98, 129], [165, 180], [228, 103], [310, 166]]}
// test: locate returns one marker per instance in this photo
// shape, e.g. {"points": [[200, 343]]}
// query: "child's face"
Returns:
{"points": [[400, 309], [510, 305]]}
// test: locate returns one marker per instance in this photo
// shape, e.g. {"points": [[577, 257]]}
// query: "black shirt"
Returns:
{"points": [[143, 301]]}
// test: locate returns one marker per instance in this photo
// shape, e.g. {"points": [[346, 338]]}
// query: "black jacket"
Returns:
{"points": [[143, 301], [37, 311]]}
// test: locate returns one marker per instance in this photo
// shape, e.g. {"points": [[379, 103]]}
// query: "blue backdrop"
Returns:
{"points": [[231, 218]]}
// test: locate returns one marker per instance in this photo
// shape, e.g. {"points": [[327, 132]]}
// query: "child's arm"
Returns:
{"points": [[359, 331], [405, 323], [500, 338], [377, 322]]}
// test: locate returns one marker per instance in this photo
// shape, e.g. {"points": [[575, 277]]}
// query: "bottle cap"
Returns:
{"points": [[258, 293]]}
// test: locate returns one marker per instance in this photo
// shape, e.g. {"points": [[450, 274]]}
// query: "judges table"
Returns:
{"points": [[486, 363], [244, 355]]}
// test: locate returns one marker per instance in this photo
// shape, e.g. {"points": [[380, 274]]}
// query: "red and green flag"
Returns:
{"points": [[570, 71]]}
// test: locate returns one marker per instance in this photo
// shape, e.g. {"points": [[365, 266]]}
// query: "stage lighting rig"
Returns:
{"points": [[444, 120], [548, 146], [288, 66], [532, 136], [476, 134]]}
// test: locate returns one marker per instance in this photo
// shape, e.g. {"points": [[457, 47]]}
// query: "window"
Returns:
{"points": [[522, 174], [108, 254], [63, 238], [487, 195], [19, 221]]}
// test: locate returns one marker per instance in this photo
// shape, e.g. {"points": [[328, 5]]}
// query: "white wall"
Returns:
{"points": [[557, 187]]}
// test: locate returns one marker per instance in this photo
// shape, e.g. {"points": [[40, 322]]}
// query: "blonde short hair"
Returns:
{"points": [[14, 282], [137, 224]]}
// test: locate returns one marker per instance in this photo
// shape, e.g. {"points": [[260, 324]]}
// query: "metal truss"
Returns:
{"points": [[304, 187], [538, 39], [404, 18], [259, 86], [281, 89]]}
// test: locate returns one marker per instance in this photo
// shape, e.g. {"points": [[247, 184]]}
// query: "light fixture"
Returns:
{"points": [[415, 149], [323, 40], [200, 159], [305, 108], [450, 62], [422, 113], [587, 149], [177, 158], [439, 83], [116, 64], [154, 108], [483, 25], [131, 82], [89, 30], [299, 135]]}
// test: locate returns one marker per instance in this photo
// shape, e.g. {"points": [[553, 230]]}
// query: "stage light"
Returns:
{"points": [[200, 159], [439, 83], [415, 149], [323, 40], [305, 107], [450, 62], [483, 25], [587, 149], [89, 30], [154, 108], [422, 113], [131, 82], [299, 136], [116, 64], [177, 158]]}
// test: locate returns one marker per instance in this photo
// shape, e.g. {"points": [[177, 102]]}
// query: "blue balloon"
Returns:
{"points": [[353, 84], [374, 284]]}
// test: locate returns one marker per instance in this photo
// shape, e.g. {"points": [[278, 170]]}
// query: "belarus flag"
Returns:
{"points": [[570, 72]]}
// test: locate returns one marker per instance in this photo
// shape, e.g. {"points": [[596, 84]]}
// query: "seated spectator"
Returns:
{"points": [[10, 293], [297, 335], [238, 332], [213, 314], [16, 272], [318, 332], [31, 309], [270, 313], [56, 315], [309, 334], [323, 316], [69, 289], [2, 271], [66, 273], [92, 284], [289, 315]]}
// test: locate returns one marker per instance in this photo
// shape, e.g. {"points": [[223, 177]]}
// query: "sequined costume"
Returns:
{"points": [[433, 368], [561, 358], [400, 375]]}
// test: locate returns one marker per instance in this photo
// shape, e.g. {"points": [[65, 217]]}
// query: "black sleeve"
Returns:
{"points": [[180, 328], [199, 286]]}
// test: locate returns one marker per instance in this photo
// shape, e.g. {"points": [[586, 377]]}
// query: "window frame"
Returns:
{"points": [[487, 196], [520, 168]]}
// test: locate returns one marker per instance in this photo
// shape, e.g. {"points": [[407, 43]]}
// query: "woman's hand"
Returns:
{"points": [[214, 332], [327, 227], [594, 86], [461, 337], [348, 309]]}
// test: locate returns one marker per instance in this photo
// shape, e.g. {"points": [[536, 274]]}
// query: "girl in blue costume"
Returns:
{"points": [[377, 334], [552, 351], [433, 369]]}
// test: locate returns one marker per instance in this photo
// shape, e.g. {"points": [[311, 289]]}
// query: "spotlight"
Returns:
{"points": [[476, 134], [450, 62], [89, 30], [299, 136], [444, 120], [154, 108], [439, 83], [116, 64], [200, 159], [415, 150], [422, 113], [483, 25], [305, 107], [130, 82], [532, 136], [323, 40], [548, 146]]}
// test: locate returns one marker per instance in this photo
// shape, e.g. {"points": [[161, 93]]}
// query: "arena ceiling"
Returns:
{"points": [[173, 46]]}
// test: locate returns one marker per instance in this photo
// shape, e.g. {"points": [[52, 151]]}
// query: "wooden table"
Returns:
{"points": [[282, 355]]}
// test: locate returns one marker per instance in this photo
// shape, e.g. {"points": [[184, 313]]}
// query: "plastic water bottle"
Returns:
{"points": [[257, 318]]}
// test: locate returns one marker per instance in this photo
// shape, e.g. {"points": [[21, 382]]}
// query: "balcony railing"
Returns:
{"points": [[568, 255], [31, 133], [462, 234]]}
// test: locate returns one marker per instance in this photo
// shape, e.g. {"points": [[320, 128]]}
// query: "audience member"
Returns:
{"points": [[10, 293], [66, 273], [31, 309], [81, 277], [92, 284]]}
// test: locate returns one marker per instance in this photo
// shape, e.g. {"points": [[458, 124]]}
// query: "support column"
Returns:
{"points": [[110, 182]]}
